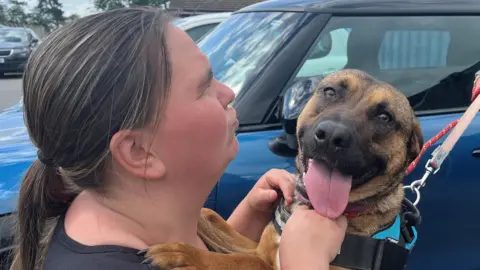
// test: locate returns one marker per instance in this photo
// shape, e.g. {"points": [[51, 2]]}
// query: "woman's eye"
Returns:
{"points": [[329, 92], [384, 117]]}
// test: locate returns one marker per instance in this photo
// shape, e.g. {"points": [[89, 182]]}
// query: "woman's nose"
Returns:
{"points": [[226, 95]]}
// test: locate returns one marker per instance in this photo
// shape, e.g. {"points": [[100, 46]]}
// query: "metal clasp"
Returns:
{"points": [[416, 185], [431, 167]]}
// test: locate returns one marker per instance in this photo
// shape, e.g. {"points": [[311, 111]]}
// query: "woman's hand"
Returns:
{"points": [[310, 241], [264, 196], [254, 212]]}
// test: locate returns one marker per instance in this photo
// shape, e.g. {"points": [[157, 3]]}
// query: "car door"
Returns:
{"points": [[432, 60]]}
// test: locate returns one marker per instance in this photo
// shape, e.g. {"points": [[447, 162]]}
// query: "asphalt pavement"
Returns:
{"points": [[10, 91]]}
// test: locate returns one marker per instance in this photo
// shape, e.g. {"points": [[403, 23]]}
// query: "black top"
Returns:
{"points": [[67, 254]]}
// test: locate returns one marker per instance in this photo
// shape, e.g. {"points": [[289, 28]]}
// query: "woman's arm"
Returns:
{"points": [[249, 222]]}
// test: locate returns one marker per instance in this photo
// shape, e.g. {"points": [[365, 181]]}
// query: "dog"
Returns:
{"points": [[356, 137]]}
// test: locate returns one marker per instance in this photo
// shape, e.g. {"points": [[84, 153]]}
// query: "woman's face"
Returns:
{"points": [[196, 137]]}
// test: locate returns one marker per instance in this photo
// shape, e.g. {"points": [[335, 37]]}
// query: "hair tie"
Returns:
{"points": [[49, 162]]}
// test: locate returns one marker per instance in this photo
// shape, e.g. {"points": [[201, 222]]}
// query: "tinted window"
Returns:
{"points": [[329, 54], [432, 60], [241, 46], [13, 35], [197, 32], [414, 49]]}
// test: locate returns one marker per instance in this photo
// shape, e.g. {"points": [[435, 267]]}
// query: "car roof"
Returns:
{"points": [[368, 6]]}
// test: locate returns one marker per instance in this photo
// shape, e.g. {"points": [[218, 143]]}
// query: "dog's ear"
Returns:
{"points": [[415, 142]]}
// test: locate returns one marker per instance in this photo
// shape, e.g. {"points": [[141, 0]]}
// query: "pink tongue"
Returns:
{"points": [[328, 191]]}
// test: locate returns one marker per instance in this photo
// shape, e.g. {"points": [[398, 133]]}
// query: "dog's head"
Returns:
{"points": [[356, 137]]}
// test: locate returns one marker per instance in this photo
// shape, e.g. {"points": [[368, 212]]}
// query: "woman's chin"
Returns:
{"points": [[234, 147]]}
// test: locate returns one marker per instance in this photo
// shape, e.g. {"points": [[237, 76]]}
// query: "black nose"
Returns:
{"points": [[333, 134]]}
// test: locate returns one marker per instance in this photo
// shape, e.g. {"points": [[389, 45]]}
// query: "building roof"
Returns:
{"points": [[210, 5]]}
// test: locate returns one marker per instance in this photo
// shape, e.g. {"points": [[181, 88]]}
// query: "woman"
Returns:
{"points": [[133, 132]]}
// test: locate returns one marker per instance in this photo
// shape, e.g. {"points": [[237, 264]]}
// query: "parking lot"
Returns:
{"points": [[10, 91]]}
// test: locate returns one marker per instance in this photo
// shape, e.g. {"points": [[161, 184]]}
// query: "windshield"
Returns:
{"points": [[13, 35], [239, 48]]}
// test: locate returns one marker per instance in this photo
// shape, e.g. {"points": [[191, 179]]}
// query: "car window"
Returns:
{"points": [[242, 45], [329, 54], [413, 49], [197, 32], [431, 59], [13, 35]]}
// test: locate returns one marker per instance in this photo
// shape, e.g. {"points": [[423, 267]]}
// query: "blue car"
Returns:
{"points": [[272, 54]]}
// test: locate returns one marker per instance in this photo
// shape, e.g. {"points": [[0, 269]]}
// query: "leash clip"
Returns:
{"points": [[416, 185], [431, 167]]}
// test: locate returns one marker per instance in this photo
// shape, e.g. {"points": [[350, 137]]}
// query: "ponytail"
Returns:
{"points": [[44, 196]]}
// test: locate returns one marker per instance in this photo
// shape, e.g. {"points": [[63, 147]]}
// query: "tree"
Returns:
{"points": [[50, 12], [3, 14], [109, 4], [15, 14], [72, 18], [47, 13]]}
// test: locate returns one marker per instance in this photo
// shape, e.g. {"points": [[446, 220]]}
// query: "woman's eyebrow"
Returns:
{"points": [[207, 79], [209, 75]]}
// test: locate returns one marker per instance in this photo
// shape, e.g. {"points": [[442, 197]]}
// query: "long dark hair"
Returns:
{"points": [[85, 81]]}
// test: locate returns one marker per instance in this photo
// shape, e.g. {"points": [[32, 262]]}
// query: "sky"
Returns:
{"points": [[80, 7]]}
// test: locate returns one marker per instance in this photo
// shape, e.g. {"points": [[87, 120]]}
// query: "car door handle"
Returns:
{"points": [[476, 153]]}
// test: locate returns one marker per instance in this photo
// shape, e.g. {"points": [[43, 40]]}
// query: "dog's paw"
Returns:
{"points": [[173, 256]]}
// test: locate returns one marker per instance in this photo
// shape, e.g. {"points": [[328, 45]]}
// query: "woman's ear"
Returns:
{"points": [[133, 152]]}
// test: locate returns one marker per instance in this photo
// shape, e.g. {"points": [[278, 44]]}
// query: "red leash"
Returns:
{"points": [[475, 93]]}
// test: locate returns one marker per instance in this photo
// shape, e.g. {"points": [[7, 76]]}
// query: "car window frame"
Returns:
{"points": [[269, 84], [305, 58], [215, 24]]}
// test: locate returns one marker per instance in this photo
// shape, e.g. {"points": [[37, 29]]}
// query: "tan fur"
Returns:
{"points": [[219, 224], [268, 245], [185, 257], [401, 147]]}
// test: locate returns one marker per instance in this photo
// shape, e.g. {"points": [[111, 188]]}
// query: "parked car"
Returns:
{"points": [[199, 25], [16, 44], [427, 49]]}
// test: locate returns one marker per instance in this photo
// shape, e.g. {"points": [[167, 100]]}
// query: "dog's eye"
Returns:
{"points": [[384, 117], [329, 92]]}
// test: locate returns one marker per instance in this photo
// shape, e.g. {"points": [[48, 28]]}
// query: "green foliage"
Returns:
{"points": [[3, 16], [109, 4], [47, 13], [14, 14]]}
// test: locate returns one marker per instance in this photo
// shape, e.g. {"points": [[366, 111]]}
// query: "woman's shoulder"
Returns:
{"points": [[66, 254]]}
